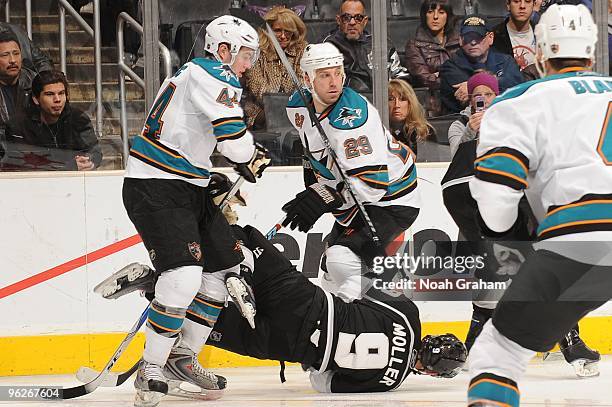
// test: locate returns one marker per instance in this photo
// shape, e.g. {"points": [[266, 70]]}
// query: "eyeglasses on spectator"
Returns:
{"points": [[279, 32], [346, 18]]}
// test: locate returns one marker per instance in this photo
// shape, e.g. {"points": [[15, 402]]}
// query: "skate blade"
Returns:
{"points": [[147, 398], [552, 357], [585, 369], [109, 287], [237, 291], [190, 391]]}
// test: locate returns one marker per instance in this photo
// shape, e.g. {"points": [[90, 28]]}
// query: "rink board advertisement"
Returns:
{"points": [[63, 233]]}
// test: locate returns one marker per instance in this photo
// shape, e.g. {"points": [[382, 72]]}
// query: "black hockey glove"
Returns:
{"points": [[256, 166], [309, 205]]}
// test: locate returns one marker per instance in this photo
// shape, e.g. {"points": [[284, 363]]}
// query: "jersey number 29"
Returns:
{"points": [[371, 350]]}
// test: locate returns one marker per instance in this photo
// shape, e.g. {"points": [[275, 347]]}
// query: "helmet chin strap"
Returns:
{"points": [[314, 93], [540, 67]]}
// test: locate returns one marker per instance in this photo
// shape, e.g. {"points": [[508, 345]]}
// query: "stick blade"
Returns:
{"points": [[86, 374]]}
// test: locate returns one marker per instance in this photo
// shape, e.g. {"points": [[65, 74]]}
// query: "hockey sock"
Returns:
{"points": [[498, 390], [201, 317], [163, 326], [479, 317]]}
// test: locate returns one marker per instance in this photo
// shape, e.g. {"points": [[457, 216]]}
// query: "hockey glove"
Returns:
{"points": [[256, 166], [309, 205]]}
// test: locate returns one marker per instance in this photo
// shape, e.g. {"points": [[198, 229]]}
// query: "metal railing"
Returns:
{"points": [[95, 33], [28, 5], [123, 19]]}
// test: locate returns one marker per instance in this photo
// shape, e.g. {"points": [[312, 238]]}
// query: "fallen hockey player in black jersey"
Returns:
{"points": [[368, 345]]}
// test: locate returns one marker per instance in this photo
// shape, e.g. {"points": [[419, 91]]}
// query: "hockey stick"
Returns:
{"points": [[258, 21], [87, 374], [87, 388], [230, 194]]}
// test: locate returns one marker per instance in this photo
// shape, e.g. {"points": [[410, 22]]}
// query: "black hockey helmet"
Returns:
{"points": [[443, 355], [219, 185]]}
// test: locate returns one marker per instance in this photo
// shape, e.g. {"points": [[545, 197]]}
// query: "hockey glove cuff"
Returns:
{"points": [[255, 167], [309, 205]]}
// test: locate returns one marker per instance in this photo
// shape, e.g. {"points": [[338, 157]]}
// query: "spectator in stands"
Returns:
{"points": [[51, 122], [435, 42], [514, 36], [406, 115], [268, 74], [355, 43], [15, 79], [482, 88], [32, 57], [475, 53]]}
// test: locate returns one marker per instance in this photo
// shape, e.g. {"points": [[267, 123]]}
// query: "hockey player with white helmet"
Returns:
{"points": [[549, 139], [380, 170], [166, 197]]}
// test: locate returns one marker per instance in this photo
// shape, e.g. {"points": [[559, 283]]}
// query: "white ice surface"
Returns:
{"points": [[546, 384]]}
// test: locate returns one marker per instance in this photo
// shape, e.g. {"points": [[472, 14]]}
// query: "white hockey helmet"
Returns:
{"points": [[318, 56], [233, 31], [566, 31]]}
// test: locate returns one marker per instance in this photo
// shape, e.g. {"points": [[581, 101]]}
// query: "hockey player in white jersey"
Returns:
{"points": [[552, 140], [166, 197], [380, 170]]}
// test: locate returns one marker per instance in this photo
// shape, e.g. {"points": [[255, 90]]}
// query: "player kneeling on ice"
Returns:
{"points": [[367, 345], [355, 169], [167, 198], [549, 140]]}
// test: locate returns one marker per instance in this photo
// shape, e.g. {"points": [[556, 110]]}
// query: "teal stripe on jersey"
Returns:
{"points": [[520, 89], [165, 161], [164, 321], [402, 183], [321, 169], [379, 177], [218, 70], [345, 215], [585, 213], [490, 391], [229, 129], [503, 164]]}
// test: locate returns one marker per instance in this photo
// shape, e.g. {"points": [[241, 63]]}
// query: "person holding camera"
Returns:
{"points": [[482, 89]]}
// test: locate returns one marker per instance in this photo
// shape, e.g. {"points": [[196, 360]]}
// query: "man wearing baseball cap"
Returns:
{"points": [[475, 54]]}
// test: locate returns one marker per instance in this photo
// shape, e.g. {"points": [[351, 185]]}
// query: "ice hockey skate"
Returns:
{"points": [[188, 379], [134, 276], [584, 360], [242, 295], [150, 384]]}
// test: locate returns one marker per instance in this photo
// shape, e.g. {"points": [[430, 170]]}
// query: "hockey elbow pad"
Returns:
{"points": [[309, 205], [254, 168]]}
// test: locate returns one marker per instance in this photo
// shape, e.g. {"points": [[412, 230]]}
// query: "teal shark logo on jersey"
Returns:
{"points": [[347, 115], [226, 72]]}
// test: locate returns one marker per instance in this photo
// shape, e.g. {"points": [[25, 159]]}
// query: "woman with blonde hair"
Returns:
{"points": [[406, 115], [268, 74]]}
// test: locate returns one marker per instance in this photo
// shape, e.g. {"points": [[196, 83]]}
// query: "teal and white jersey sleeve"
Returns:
{"points": [[363, 149], [548, 139], [221, 101], [195, 111]]}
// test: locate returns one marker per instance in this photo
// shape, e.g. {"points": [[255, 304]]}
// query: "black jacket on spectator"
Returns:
{"points": [[503, 44], [73, 131], [459, 68], [22, 98], [356, 62], [32, 57]]}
